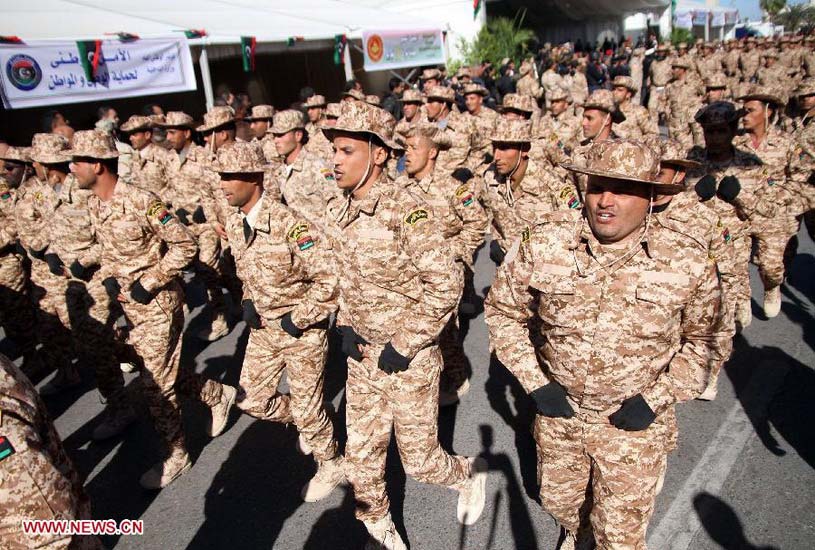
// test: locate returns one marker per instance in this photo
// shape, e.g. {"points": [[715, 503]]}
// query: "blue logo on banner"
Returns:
{"points": [[23, 72]]}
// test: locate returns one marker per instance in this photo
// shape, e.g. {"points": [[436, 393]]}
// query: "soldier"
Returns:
{"points": [[774, 74], [611, 366], [560, 122], [39, 481], [315, 111], [291, 288], [143, 249], [517, 190], [804, 137], [709, 63], [260, 119], [638, 122], [635, 67], [455, 202], [731, 64], [439, 104], [716, 89], [395, 267], [373, 100], [33, 215], [659, 74], [482, 117], [411, 102], [681, 99], [750, 60], [148, 165], [528, 84], [600, 114], [551, 81], [430, 78], [352, 95]]}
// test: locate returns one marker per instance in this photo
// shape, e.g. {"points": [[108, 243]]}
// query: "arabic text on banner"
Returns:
{"points": [[385, 50]]}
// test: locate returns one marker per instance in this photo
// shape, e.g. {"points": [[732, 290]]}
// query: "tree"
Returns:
{"points": [[795, 17], [500, 38], [772, 7], [681, 35]]}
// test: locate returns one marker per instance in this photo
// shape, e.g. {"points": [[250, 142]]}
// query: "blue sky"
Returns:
{"points": [[749, 8]]}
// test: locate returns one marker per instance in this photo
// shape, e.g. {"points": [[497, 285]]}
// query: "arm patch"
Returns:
{"points": [[416, 216], [299, 235]]}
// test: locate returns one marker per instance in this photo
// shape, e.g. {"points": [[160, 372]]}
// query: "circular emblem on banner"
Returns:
{"points": [[375, 48], [23, 72]]}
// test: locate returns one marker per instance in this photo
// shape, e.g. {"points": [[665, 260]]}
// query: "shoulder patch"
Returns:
{"points": [[5, 194], [416, 216], [327, 174], [464, 195], [299, 235], [567, 195], [158, 210], [6, 449]]}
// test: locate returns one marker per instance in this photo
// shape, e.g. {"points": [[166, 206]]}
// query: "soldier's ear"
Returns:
{"points": [[380, 155]]}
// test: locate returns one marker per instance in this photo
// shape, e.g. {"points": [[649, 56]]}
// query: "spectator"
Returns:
{"points": [[391, 102], [51, 119]]}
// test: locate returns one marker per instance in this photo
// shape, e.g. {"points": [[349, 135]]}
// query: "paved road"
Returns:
{"points": [[742, 477]]}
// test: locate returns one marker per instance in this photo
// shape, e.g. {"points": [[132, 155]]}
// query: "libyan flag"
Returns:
{"points": [[248, 44], [340, 42], [90, 54], [477, 7]]}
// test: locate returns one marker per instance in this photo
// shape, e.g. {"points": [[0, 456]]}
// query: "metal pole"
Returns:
{"points": [[206, 77], [346, 60]]}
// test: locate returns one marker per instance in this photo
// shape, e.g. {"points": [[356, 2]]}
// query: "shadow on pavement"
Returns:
{"points": [[722, 524]]}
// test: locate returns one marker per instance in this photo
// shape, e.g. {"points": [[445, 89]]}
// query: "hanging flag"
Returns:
{"points": [[248, 44], [10, 40], [477, 7], [339, 48], [125, 36], [90, 54], [292, 39], [195, 33]]}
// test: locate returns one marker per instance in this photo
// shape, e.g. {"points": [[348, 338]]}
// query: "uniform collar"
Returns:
{"points": [[252, 217]]}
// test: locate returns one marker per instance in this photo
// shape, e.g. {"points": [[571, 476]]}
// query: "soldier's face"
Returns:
{"points": [[418, 154], [669, 173], [678, 72], [178, 137], [140, 140], [429, 83], [512, 115], [353, 157], [769, 62], [593, 122], [85, 171], [716, 94], [507, 156], [558, 106], [315, 114], [240, 188], [754, 115], [807, 102], [259, 128], [285, 143], [14, 172], [615, 208], [718, 137], [473, 102], [434, 108], [410, 110], [620, 93]]}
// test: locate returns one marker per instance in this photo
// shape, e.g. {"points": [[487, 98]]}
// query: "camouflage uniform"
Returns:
{"points": [[644, 328], [148, 166], [266, 143], [461, 129], [286, 268], [638, 121], [38, 481], [682, 100], [399, 286], [528, 85], [749, 62], [562, 129], [483, 122], [659, 74]]}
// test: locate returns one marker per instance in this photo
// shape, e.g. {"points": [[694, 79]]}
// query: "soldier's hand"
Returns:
{"points": [[198, 216], [39, 254], [183, 215], [488, 158], [54, 264], [706, 187], [391, 361], [634, 415], [729, 188], [351, 342], [497, 253], [113, 288], [77, 270], [551, 401], [219, 229], [288, 325], [141, 294], [462, 174], [250, 314]]}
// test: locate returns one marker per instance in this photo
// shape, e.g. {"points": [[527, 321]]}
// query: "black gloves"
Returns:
{"points": [[250, 314], [39, 254], [289, 326], [140, 294], [198, 216], [729, 188], [20, 249], [183, 215], [497, 253], [77, 270], [350, 342], [634, 414], [462, 174], [112, 287], [706, 187], [391, 361], [488, 158], [551, 401], [54, 264]]}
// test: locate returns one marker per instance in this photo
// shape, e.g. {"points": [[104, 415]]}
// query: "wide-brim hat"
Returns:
{"points": [[626, 160], [717, 113], [439, 137], [512, 131], [316, 100], [357, 117], [372, 99], [765, 94], [17, 154], [333, 110], [443, 93], [177, 119], [626, 82], [95, 144], [673, 152], [716, 81], [412, 96], [474, 88], [260, 112], [806, 87], [518, 102], [241, 157], [430, 74], [286, 121], [356, 94], [137, 123], [49, 149], [218, 116], [603, 100], [681, 63]]}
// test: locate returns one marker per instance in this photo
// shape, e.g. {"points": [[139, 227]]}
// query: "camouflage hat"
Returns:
{"points": [[681, 62], [682, 46], [673, 152], [373, 100], [627, 160], [430, 74], [770, 53], [474, 88], [242, 157], [559, 94], [765, 94], [360, 118], [137, 123], [412, 96], [286, 121], [316, 100], [518, 102], [356, 94], [625, 82], [49, 149], [463, 71], [177, 119], [218, 116], [17, 154], [662, 48], [603, 100], [525, 69], [806, 87], [439, 137], [332, 110], [260, 112], [512, 131], [442, 93], [94, 144], [716, 81], [717, 113]]}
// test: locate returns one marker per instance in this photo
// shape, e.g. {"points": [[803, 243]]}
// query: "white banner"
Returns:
{"points": [[50, 72], [684, 20], [385, 50]]}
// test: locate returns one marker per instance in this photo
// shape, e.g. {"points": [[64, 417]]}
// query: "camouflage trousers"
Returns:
{"points": [[679, 129], [773, 246], [408, 404], [155, 335], [656, 101], [16, 311], [733, 265], [454, 360], [207, 263], [49, 294], [591, 473], [269, 351]]}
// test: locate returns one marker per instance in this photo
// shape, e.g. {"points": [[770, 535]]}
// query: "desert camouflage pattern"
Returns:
{"points": [[307, 184], [218, 116], [137, 123], [148, 170], [286, 121]]}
